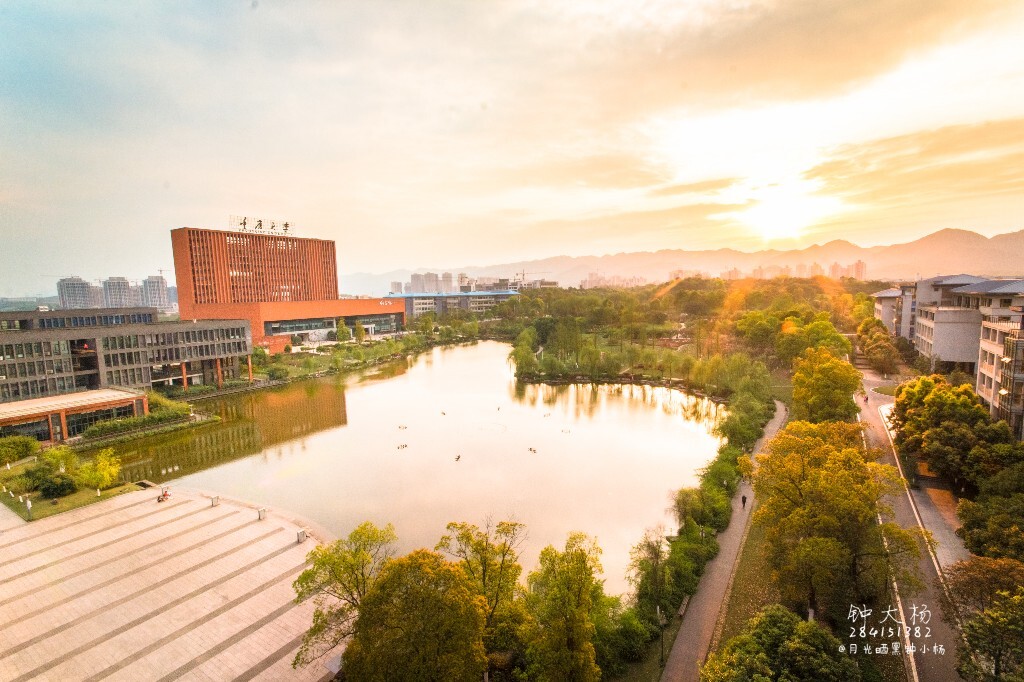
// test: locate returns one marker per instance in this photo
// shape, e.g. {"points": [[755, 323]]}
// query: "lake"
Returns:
{"points": [[449, 436]]}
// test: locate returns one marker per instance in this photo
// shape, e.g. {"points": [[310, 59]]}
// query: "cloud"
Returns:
{"points": [[614, 170], [950, 164], [693, 187]]}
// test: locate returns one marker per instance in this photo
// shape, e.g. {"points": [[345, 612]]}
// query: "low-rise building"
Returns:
{"points": [[896, 308], [475, 302], [48, 353]]}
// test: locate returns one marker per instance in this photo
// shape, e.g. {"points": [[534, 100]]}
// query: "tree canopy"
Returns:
{"points": [[340, 576], [777, 645], [823, 387], [421, 620]]}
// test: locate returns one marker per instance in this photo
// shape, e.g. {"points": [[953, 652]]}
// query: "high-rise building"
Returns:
{"points": [[117, 292], [75, 292], [860, 270], [431, 283], [154, 293], [417, 284], [396, 287], [447, 283]]}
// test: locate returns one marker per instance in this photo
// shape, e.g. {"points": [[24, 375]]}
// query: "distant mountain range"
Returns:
{"points": [[943, 252]]}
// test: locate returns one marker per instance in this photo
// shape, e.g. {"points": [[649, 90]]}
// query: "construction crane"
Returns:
{"points": [[523, 273]]}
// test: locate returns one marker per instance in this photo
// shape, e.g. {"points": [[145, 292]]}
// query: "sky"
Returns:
{"points": [[452, 133]]}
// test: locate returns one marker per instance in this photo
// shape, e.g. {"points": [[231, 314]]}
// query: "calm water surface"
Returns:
{"points": [[447, 437]]}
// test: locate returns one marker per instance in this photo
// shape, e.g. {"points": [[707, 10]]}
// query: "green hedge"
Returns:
{"points": [[115, 426]]}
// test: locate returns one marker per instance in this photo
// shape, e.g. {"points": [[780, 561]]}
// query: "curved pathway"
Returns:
{"points": [[702, 611]]}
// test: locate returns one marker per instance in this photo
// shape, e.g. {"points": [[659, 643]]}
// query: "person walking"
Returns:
{"points": [[743, 501]]}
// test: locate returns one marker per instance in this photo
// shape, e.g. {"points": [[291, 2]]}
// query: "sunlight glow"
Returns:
{"points": [[785, 210]]}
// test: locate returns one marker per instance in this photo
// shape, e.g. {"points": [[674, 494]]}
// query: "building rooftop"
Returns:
{"points": [[70, 401], [949, 280], [993, 286], [887, 293]]}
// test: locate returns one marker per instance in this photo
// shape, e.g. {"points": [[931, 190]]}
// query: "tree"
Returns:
{"points": [[650, 576], [823, 387], [563, 591], [490, 559], [996, 636], [359, 332], [337, 581], [777, 645], [992, 525], [819, 499], [100, 472], [974, 584], [421, 620]]}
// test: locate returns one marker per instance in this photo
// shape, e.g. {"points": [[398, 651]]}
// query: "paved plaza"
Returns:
{"points": [[135, 589]]}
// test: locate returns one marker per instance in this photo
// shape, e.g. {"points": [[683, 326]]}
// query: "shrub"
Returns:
{"points": [[14, 448], [277, 372], [58, 485], [114, 426]]}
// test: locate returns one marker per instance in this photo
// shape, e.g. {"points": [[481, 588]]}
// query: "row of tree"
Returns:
{"points": [[877, 345], [819, 494], [451, 613], [948, 427]]}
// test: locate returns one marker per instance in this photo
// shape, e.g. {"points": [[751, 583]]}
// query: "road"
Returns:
{"points": [[932, 507], [702, 611]]}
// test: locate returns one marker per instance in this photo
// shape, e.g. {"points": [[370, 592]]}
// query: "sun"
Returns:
{"points": [[785, 210]]}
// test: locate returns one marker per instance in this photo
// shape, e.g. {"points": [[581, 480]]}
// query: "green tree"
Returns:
{"points": [[359, 332], [995, 635], [101, 471], [823, 387], [819, 497], [338, 579], [421, 620], [490, 559], [776, 645], [563, 592]]}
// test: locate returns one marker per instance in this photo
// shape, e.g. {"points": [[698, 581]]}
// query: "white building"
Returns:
{"points": [[896, 308], [117, 292]]}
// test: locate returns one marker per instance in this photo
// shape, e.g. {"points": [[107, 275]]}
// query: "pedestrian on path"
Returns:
{"points": [[743, 501]]}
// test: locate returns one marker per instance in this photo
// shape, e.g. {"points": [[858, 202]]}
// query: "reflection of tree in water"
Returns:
{"points": [[250, 423], [587, 399]]}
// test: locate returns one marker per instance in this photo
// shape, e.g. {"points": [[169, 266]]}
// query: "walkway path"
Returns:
{"points": [[702, 611], [932, 506], [131, 589], [9, 520]]}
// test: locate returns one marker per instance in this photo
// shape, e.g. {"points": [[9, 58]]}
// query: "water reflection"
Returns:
{"points": [[250, 423], [450, 436]]}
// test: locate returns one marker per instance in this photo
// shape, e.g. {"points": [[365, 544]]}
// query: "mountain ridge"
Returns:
{"points": [[941, 252]]}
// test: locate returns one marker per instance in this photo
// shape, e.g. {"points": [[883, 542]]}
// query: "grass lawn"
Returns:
{"points": [[885, 390], [649, 670], [41, 508], [752, 589]]}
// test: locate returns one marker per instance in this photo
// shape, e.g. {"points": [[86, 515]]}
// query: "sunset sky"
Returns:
{"points": [[445, 133]]}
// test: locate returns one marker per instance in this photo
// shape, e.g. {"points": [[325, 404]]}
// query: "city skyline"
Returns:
{"points": [[439, 136]]}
